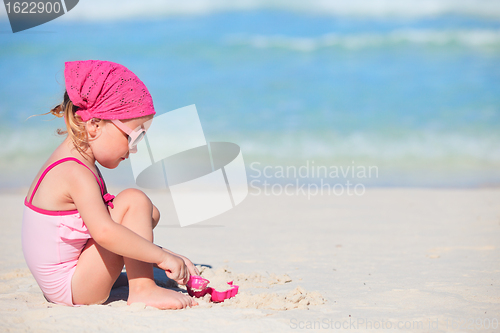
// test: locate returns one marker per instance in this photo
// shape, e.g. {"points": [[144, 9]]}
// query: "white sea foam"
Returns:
{"points": [[123, 9], [450, 148], [465, 38], [421, 145], [452, 153]]}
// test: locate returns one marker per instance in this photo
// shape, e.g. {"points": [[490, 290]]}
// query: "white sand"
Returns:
{"points": [[220, 277], [295, 299], [398, 256]]}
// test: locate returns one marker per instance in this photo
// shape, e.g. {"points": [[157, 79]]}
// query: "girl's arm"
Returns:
{"points": [[189, 264], [86, 195]]}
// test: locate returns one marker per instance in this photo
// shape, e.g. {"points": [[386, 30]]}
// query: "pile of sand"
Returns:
{"points": [[253, 280], [297, 298]]}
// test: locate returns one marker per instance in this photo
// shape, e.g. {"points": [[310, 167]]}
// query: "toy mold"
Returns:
{"points": [[197, 287]]}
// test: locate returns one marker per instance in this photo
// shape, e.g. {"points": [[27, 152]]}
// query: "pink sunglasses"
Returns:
{"points": [[134, 136]]}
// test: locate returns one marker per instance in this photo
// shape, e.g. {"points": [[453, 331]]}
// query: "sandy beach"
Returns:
{"points": [[400, 98], [415, 259]]}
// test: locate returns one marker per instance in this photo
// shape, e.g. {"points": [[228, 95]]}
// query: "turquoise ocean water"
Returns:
{"points": [[417, 96]]}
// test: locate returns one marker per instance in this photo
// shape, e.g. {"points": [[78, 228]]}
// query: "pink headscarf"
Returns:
{"points": [[106, 90]]}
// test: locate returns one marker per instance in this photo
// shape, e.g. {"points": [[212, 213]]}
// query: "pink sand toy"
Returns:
{"points": [[197, 287]]}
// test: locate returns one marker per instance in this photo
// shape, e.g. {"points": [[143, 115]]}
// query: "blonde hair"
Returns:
{"points": [[75, 127]]}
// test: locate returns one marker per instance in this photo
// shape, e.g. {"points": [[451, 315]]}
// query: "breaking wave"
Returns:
{"points": [[461, 38]]}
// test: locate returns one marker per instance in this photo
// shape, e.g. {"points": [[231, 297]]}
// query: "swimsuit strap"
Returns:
{"points": [[101, 185]]}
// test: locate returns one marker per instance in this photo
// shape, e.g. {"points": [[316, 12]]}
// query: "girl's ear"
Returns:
{"points": [[94, 127]]}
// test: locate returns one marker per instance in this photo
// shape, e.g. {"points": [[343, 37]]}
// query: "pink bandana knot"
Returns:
{"points": [[106, 90], [108, 198]]}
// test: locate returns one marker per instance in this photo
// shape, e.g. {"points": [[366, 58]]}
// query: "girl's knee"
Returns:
{"points": [[156, 216], [133, 197], [130, 200]]}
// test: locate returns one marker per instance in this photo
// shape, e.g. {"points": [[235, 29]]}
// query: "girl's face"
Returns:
{"points": [[108, 143]]}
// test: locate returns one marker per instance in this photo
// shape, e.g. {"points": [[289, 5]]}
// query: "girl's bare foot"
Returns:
{"points": [[159, 297]]}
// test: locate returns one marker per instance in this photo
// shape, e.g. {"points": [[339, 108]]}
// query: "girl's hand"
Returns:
{"points": [[175, 268], [190, 266]]}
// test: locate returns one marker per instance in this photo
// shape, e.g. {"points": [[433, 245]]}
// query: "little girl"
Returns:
{"points": [[76, 237]]}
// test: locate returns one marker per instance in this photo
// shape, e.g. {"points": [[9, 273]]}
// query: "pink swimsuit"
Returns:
{"points": [[53, 241]]}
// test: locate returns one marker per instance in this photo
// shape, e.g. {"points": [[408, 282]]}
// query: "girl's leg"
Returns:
{"points": [[121, 281], [98, 268]]}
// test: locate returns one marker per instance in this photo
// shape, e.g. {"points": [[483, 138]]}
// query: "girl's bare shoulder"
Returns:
{"points": [[53, 192]]}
